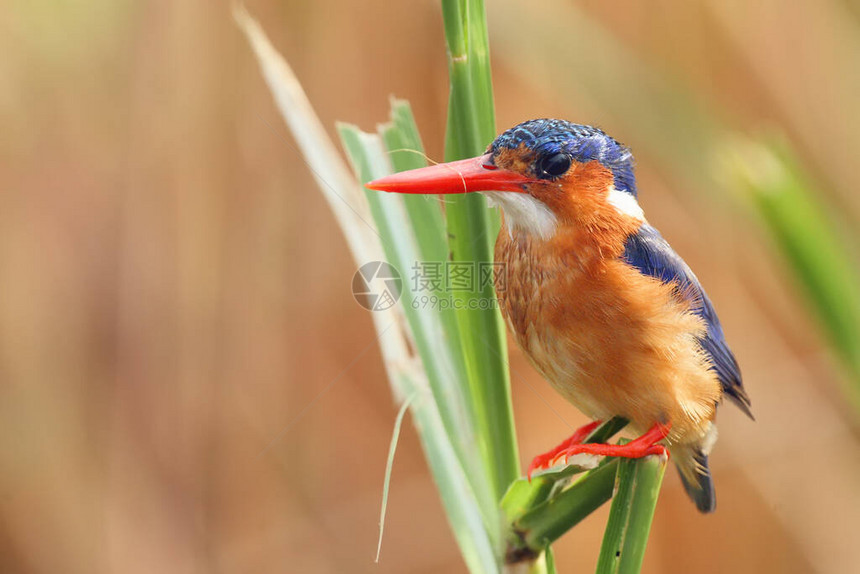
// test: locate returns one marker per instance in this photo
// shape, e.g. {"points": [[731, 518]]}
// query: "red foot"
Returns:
{"points": [[547, 459], [642, 446]]}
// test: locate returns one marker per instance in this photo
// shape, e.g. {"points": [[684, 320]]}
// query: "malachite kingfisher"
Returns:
{"points": [[598, 301]]}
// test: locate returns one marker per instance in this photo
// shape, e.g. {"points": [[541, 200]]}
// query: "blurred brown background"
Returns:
{"points": [[184, 385]]}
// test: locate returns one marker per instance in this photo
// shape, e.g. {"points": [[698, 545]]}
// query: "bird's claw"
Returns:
{"points": [[547, 459], [645, 445], [617, 450], [541, 462]]}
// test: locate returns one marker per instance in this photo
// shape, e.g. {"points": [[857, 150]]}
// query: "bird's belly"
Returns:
{"points": [[564, 368], [616, 343]]}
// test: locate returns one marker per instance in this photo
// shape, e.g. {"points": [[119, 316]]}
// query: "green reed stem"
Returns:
{"points": [[472, 229], [626, 536]]}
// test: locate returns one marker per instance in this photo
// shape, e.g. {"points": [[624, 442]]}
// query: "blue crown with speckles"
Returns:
{"points": [[583, 143]]}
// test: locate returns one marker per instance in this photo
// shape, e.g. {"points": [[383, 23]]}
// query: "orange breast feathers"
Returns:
{"points": [[609, 339]]}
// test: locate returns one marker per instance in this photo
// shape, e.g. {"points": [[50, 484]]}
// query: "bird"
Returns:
{"points": [[599, 302]]}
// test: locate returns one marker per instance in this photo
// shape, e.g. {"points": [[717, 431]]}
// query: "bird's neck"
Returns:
{"points": [[529, 258], [574, 246]]}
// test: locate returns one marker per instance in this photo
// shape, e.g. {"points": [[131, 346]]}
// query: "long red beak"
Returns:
{"points": [[464, 176]]}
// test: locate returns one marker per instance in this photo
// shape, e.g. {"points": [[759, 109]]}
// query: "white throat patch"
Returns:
{"points": [[524, 213], [625, 204]]}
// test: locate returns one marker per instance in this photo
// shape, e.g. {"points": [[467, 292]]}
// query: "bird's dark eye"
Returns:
{"points": [[554, 165]]}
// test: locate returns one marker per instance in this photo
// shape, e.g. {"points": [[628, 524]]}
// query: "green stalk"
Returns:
{"points": [[472, 229], [534, 522], [403, 142], [631, 514], [524, 495], [411, 232], [550, 561], [404, 245], [532, 532], [438, 411]]}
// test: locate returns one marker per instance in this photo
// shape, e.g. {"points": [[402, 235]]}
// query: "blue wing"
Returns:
{"points": [[647, 251]]}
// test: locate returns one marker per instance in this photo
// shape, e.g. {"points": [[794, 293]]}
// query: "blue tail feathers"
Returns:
{"points": [[701, 489]]}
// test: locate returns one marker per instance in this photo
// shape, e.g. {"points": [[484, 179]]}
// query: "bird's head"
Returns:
{"points": [[544, 174]]}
